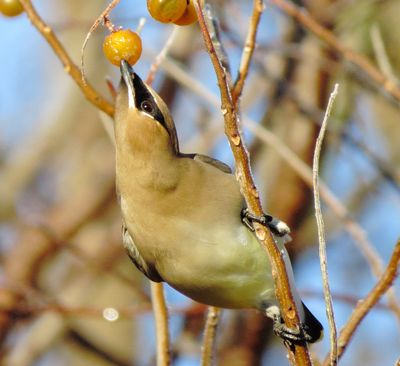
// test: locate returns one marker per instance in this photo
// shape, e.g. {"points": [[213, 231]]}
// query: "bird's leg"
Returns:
{"points": [[290, 335], [278, 227]]}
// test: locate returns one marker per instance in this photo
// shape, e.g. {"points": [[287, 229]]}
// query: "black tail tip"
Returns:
{"points": [[312, 326]]}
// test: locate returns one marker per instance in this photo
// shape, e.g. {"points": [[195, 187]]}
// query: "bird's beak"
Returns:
{"points": [[128, 75]]}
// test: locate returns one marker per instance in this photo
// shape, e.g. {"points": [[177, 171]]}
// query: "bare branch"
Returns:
{"points": [[102, 17], [213, 30], [161, 55], [161, 319], [258, 7], [348, 299], [210, 332], [69, 67], [321, 231], [299, 354]]}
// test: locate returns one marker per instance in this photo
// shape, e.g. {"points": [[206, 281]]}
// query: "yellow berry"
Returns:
{"points": [[166, 11], [189, 16], [11, 8], [122, 45]]}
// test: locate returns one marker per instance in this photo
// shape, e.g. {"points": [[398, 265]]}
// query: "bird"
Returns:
{"points": [[184, 220]]}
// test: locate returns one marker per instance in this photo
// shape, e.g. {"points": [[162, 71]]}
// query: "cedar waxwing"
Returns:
{"points": [[184, 218]]}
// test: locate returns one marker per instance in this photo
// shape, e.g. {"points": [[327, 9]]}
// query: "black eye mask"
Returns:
{"points": [[145, 102]]}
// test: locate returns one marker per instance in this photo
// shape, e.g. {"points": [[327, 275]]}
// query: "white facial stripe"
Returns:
{"points": [[148, 115], [131, 102]]}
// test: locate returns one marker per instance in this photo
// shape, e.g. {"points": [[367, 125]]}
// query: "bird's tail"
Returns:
{"points": [[312, 326]]}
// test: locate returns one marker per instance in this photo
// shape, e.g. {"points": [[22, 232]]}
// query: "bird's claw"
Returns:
{"points": [[278, 227], [291, 336]]}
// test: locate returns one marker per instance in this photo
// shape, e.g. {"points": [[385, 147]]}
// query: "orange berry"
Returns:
{"points": [[122, 45], [166, 11], [189, 16], [11, 8]]}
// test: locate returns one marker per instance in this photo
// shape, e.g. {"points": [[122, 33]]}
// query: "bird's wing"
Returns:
{"points": [[133, 253], [209, 160]]}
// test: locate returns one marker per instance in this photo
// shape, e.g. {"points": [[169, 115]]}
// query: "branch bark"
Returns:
{"points": [[248, 50], [210, 332], [321, 232], [161, 319], [298, 354]]}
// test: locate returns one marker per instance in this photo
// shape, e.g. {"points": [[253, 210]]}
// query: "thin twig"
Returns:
{"points": [[248, 49], [209, 338], [347, 299], [161, 55], [213, 27], [299, 353], [161, 320], [321, 231], [365, 305], [305, 19], [69, 66], [102, 17], [40, 302]]}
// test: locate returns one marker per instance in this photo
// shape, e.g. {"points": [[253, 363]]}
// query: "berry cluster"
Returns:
{"points": [[127, 45], [180, 12], [124, 44]]}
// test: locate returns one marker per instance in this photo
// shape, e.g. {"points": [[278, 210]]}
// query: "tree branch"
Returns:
{"points": [[161, 319], [321, 231], [298, 354], [258, 7], [69, 66], [210, 332]]}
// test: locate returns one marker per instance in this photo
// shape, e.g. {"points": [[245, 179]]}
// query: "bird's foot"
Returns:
{"points": [[291, 336], [277, 226]]}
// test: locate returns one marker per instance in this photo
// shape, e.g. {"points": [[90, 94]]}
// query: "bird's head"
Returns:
{"points": [[142, 119]]}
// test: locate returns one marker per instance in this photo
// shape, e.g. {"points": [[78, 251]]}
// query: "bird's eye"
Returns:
{"points": [[147, 106]]}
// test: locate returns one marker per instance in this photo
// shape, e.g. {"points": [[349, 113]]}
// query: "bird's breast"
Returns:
{"points": [[193, 236], [215, 265]]}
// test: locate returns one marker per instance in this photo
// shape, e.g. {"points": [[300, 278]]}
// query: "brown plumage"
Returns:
{"points": [[181, 214]]}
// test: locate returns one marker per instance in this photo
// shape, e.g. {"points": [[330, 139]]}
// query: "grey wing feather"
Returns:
{"points": [[214, 162], [137, 259]]}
